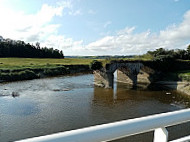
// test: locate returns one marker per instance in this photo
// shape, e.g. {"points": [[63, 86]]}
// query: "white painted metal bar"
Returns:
{"points": [[117, 130], [184, 139]]}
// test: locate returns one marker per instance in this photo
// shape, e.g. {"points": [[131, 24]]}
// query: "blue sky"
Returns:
{"points": [[98, 27]]}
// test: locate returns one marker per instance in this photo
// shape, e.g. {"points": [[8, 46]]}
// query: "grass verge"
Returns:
{"points": [[14, 69], [178, 76]]}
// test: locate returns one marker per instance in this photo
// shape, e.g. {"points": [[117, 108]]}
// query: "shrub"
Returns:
{"points": [[96, 65], [54, 71], [5, 76], [28, 74], [184, 77], [164, 58], [164, 62]]}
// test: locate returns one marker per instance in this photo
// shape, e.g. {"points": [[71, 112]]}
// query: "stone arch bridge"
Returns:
{"points": [[131, 72]]}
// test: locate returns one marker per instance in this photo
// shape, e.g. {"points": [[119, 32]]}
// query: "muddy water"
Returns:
{"points": [[46, 106]]}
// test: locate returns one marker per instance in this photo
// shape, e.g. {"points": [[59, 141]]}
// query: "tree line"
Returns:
{"points": [[21, 49], [161, 53]]}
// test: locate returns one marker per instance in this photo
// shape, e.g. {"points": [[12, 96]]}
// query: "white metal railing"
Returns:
{"points": [[116, 130]]}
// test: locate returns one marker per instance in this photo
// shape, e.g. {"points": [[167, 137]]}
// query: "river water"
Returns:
{"points": [[46, 106]]}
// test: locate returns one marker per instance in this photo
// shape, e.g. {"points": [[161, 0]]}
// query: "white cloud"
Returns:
{"points": [[75, 13], [107, 24], [65, 4], [127, 42], [40, 27], [31, 27], [178, 33], [126, 31], [124, 42]]}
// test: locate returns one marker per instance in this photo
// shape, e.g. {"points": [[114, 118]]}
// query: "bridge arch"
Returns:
{"points": [[127, 72]]}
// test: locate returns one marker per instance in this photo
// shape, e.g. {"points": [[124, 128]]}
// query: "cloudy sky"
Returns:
{"points": [[98, 27]]}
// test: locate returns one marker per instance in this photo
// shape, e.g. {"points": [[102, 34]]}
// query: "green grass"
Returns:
{"points": [[185, 72], [184, 75], [144, 57], [13, 69], [19, 63], [179, 75], [16, 67]]}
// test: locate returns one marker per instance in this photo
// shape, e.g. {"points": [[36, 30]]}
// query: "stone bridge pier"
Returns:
{"points": [[130, 72]]}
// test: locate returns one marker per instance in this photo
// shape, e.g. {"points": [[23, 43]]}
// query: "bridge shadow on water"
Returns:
{"points": [[126, 102]]}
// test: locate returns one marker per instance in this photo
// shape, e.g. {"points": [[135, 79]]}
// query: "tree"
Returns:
{"points": [[21, 49], [96, 65], [37, 45], [188, 49], [160, 51], [181, 54]]}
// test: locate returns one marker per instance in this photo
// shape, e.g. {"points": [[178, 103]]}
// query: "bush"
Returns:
{"points": [[28, 74], [54, 71], [164, 58], [184, 77], [96, 65], [164, 62], [48, 72], [5, 76], [15, 76]]}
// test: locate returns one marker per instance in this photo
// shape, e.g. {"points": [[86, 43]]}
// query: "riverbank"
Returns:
{"points": [[17, 69], [7, 75]]}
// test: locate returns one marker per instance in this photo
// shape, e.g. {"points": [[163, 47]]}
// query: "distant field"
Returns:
{"points": [[12, 63]]}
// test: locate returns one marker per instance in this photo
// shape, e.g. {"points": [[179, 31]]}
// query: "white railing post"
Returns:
{"points": [[160, 135]]}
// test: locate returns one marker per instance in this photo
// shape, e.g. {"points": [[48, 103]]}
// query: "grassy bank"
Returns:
{"points": [[178, 76], [14, 69], [17, 63]]}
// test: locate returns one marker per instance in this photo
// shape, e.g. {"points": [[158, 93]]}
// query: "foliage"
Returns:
{"points": [[188, 49], [54, 71], [32, 73], [175, 54], [21, 75], [144, 57], [164, 58], [184, 77], [21, 49], [96, 65], [178, 75]]}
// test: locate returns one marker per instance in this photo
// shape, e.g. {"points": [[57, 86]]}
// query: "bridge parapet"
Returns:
{"points": [[131, 66]]}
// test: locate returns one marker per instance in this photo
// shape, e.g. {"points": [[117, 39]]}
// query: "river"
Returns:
{"points": [[50, 105]]}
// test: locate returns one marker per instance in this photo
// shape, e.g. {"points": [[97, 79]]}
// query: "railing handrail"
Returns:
{"points": [[116, 130]]}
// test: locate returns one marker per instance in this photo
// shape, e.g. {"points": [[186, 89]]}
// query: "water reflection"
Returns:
{"points": [[51, 105], [123, 92], [124, 102], [17, 107]]}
